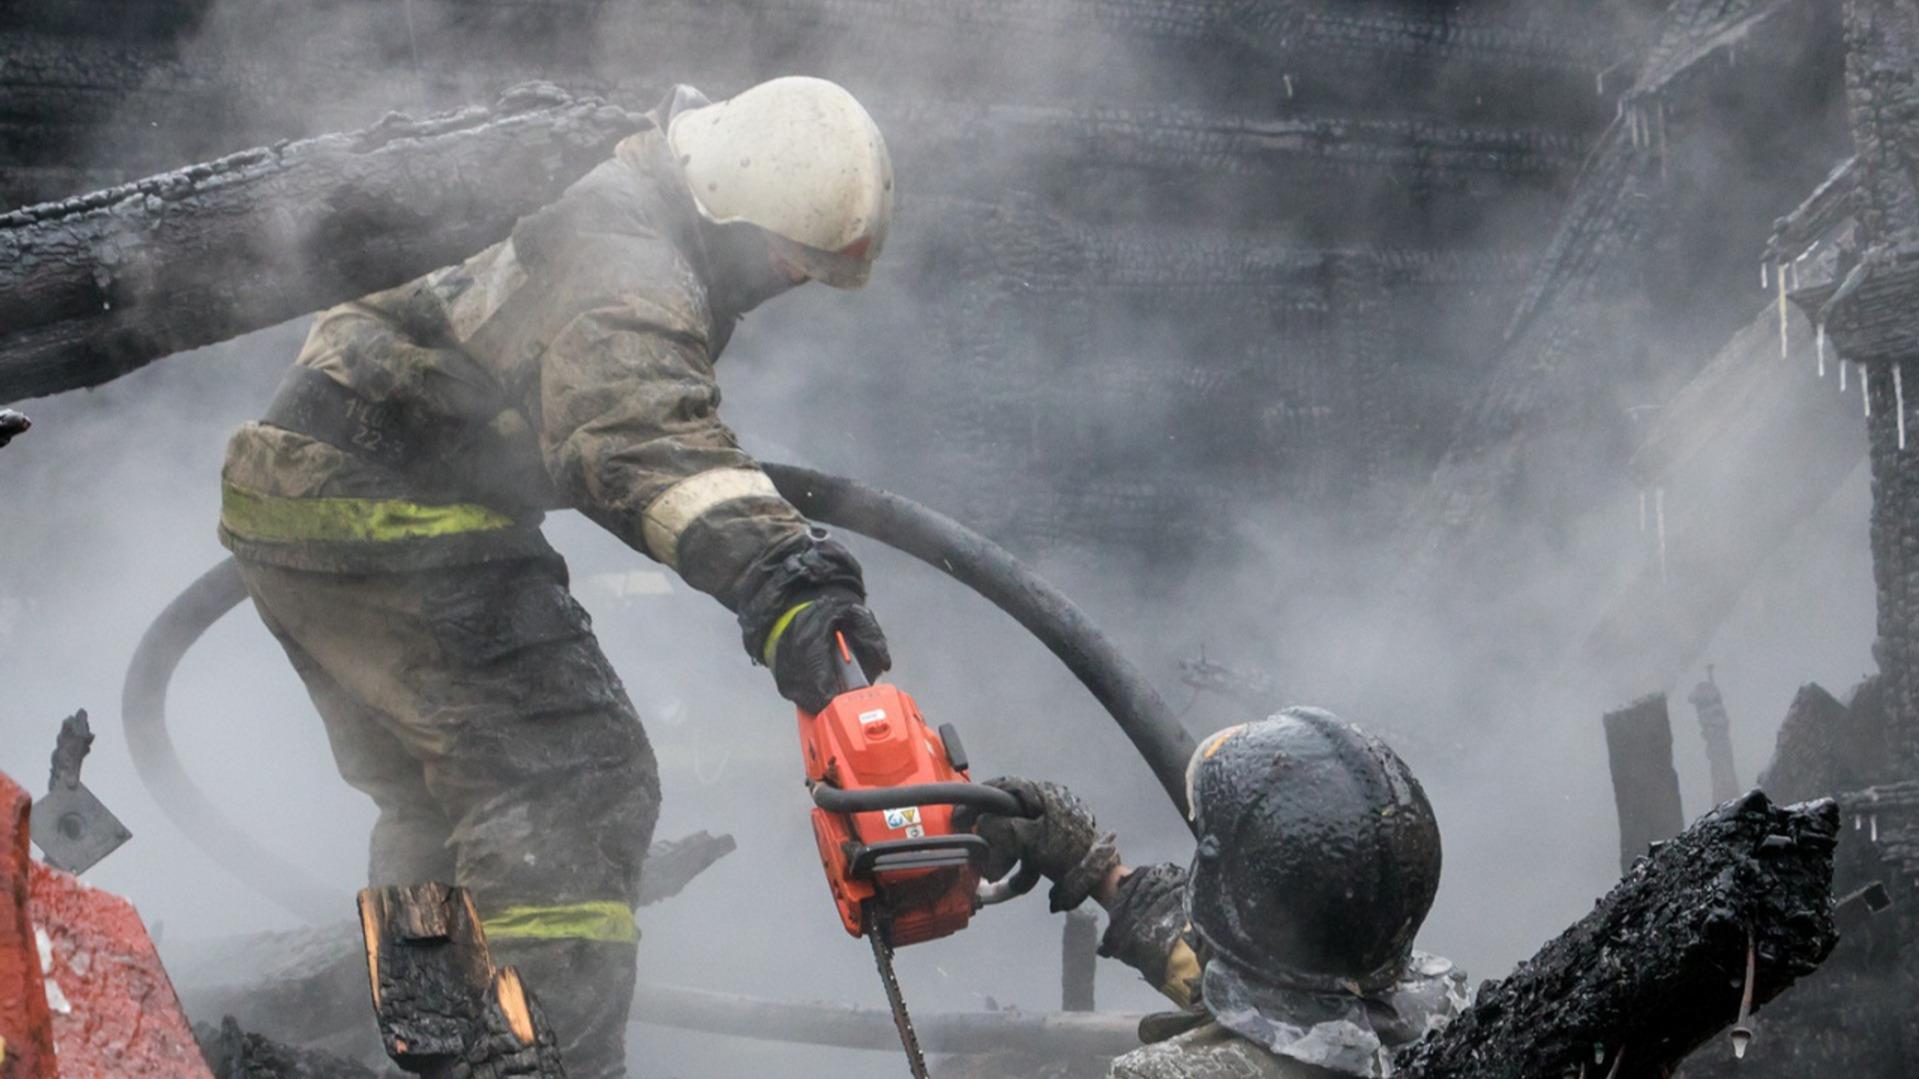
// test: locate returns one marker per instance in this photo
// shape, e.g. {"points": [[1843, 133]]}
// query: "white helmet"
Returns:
{"points": [[800, 158]]}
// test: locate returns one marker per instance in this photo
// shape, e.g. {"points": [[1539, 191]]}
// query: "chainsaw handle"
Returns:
{"points": [[1011, 886], [867, 799]]}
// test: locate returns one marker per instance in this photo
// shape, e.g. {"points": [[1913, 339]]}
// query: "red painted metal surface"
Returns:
{"points": [[82, 991], [114, 1010], [24, 1021]]}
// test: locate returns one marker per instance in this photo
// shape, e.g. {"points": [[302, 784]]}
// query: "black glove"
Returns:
{"points": [[802, 649], [1063, 842]]}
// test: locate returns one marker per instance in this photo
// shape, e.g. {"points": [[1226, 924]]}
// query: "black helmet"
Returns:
{"points": [[1318, 852]]}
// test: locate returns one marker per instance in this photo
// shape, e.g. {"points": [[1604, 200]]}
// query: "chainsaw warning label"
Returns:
{"points": [[874, 716], [908, 818]]}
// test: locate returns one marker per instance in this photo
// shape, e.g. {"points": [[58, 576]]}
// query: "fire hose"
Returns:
{"points": [[963, 554]]}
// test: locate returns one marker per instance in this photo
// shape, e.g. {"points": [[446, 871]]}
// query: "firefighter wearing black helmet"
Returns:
{"points": [[1289, 940]]}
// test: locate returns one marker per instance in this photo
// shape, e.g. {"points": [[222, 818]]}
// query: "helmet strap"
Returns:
{"points": [[744, 273]]}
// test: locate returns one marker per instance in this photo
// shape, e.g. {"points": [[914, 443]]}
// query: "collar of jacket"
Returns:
{"points": [[1343, 1032], [647, 153]]}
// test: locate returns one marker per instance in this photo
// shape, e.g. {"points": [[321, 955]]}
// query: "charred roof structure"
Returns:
{"points": [[1426, 305]]}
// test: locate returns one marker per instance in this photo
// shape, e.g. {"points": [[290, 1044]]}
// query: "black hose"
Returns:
{"points": [[987, 568], [143, 702], [931, 537]]}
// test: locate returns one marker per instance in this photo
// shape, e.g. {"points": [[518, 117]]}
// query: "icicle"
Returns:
{"points": [[1872, 828], [1599, 83], [1899, 400], [1858, 821], [1765, 276], [1659, 523], [1662, 138], [1642, 513], [1288, 80], [1865, 389], [1779, 275], [1842, 376], [1819, 341], [1599, 1052], [1741, 1029]]}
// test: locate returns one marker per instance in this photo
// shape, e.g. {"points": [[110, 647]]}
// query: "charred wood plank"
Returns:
{"points": [[99, 285], [234, 1053], [1079, 954], [443, 1009], [1715, 728], [848, 1027], [1659, 965], [12, 425], [671, 864], [1645, 787], [1825, 747]]}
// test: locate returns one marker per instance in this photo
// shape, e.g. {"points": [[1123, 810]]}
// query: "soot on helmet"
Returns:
{"points": [[1318, 852]]}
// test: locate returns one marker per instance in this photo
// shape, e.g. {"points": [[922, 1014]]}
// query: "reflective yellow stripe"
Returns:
{"points": [[779, 629], [273, 519], [608, 921]]}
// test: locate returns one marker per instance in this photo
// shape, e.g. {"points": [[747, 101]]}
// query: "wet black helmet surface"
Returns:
{"points": [[1318, 852]]}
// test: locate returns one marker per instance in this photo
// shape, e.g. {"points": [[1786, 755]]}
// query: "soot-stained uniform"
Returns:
{"points": [[386, 518], [1240, 1025]]}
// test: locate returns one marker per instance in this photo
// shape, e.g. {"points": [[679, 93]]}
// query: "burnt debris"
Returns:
{"points": [[1658, 967]]}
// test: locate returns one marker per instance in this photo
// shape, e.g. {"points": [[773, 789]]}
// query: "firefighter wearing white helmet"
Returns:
{"points": [[801, 159], [385, 513]]}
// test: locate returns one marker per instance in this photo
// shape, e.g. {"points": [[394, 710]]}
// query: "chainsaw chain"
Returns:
{"points": [[879, 934]]}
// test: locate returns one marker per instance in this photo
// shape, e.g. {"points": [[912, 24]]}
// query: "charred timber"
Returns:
{"points": [[1645, 787], [1715, 728], [1659, 965], [99, 285], [102, 284], [234, 1053], [12, 425], [444, 1010], [1469, 54]]}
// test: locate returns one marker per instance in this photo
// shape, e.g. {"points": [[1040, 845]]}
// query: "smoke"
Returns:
{"points": [[1194, 385]]}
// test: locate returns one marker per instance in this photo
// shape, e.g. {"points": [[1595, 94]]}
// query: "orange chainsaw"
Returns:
{"points": [[884, 789]]}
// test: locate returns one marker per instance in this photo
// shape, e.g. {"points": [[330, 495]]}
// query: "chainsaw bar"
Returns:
{"points": [[879, 935]]}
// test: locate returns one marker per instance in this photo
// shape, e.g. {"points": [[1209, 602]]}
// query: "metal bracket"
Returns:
{"points": [[72, 828]]}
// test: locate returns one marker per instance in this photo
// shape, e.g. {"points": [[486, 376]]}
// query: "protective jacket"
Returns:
{"points": [[570, 365], [1240, 1025]]}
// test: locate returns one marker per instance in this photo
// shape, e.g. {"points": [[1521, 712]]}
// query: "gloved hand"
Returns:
{"points": [[801, 646], [1063, 842]]}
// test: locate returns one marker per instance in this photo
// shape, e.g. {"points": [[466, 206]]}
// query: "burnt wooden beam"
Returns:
{"points": [[671, 864], [97, 286], [1660, 964], [1054, 1034], [1645, 787], [12, 425], [444, 1010], [1079, 955], [235, 1053], [1715, 729]]}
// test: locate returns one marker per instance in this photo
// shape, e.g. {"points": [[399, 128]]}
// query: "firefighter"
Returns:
{"points": [[385, 514], [1288, 943]]}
